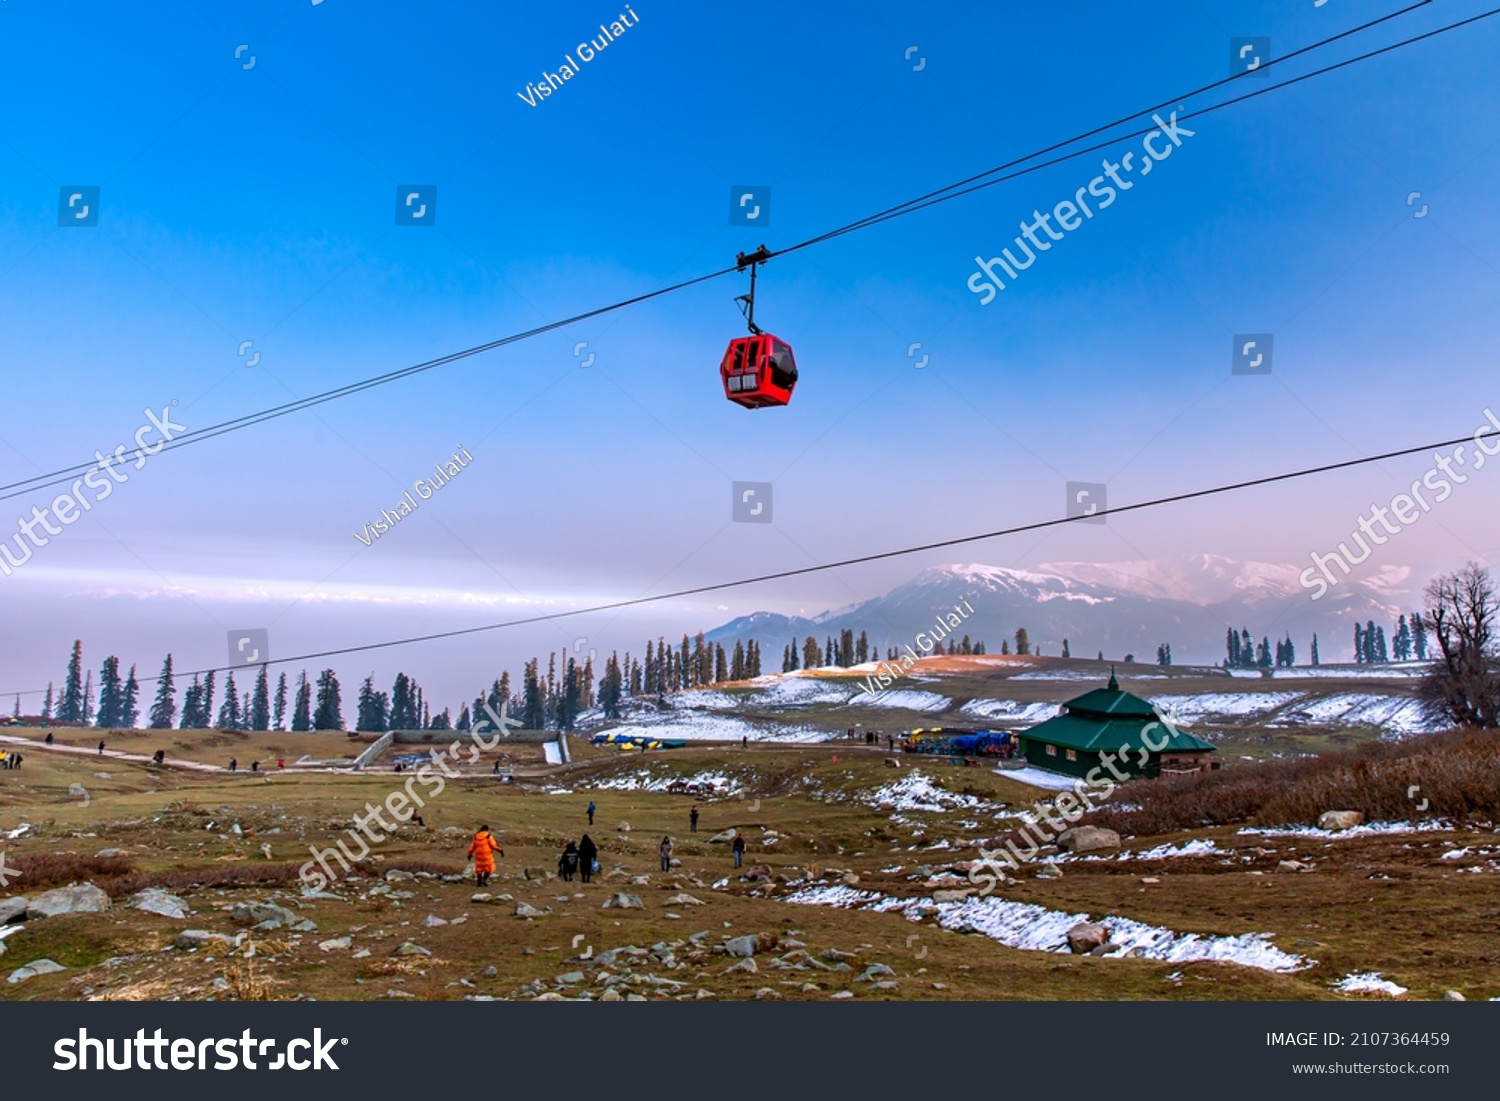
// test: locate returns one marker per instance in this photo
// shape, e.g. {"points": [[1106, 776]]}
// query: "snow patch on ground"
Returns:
{"points": [[1227, 705], [916, 791], [1396, 714], [1365, 830], [707, 726], [645, 780], [1368, 982], [1012, 711], [1039, 778], [909, 699], [1036, 928]]}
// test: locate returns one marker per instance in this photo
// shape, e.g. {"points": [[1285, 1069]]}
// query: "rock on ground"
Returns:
{"points": [[154, 900], [79, 898], [33, 969], [526, 910], [267, 915], [1088, 839], [12, 909], [622, 901], [1086, 936], [684, 900], [1339, 819]]}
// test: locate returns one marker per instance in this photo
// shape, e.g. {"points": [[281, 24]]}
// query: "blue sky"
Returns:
{"points": [[257, 204]]}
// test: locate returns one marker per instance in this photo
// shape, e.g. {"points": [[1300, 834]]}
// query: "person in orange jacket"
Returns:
{"points": [[483, 849]]}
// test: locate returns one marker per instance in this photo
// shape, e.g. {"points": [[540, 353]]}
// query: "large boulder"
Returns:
{"points": [[622, 901], [78, 898], [264, 915], [722, 838], [527, 910], [1086, 936], [1339, 819], [1088, 839], [154, 900], [12, 909], [743, 947], [33, 969]]}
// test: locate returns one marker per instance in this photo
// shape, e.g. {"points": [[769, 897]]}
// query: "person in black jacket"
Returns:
{"points": [[567, 863], [588, 852]]}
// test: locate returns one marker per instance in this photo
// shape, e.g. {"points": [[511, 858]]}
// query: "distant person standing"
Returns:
{"points": [[254, 766], [693, 820], [588, 857], [101, 748], [49, 737], [592, 808], [744, 741], [737, 846], [234, 765], [664, 850]]}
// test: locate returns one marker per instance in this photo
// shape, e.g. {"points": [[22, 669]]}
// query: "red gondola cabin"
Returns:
{"points": [[758, 370]]}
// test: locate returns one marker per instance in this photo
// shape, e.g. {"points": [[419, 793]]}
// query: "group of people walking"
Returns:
{"points": [[581, 859]]}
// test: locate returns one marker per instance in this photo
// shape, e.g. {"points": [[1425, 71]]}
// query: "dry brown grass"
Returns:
{"points": [[1457, 773]]}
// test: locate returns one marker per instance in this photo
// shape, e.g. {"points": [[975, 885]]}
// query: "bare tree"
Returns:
{"points": [[1464, 684]]}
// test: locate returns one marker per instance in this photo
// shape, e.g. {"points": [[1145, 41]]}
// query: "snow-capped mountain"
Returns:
{"points": [[1117, 608]]}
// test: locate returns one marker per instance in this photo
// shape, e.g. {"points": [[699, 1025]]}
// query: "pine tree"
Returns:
{"points": [[1370, 649], [1066, 652], [465, 723], [404, 714], [370, 709], [229, 710], [812, 657], [1164, 654], [47, 703], [862, 649], [829, 658], [207, 713], [752, 659], [1263, 654], [796, 658], [302, 705], [260, 707], [721, 666], [1023, 642], [610, 688], [1382, 655], [737, 662], [279, 710], [1291, 651], [1401, 644], [191, 701], [1419, 635], [110, 693], [329, 712], [130, 710], [1315, 648], [88, 697], [1359, 644], [1005, 647], [846, 647], [164, 706], [16, 714], [533, 706], [70, 707], [1231, 648]]}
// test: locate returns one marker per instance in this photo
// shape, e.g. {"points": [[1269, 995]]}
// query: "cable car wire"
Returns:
{"points": [[878, 556], [66, 474]]}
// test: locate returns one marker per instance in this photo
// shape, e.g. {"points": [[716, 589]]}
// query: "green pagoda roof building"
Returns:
{"points": [[1138, 739]]}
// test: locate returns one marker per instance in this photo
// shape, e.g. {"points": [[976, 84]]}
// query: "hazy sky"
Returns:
{"points": [[259, 204]]}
